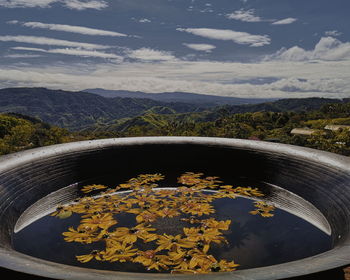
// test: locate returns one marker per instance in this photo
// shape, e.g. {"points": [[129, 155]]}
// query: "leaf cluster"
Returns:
{"points": [[191, 202]]}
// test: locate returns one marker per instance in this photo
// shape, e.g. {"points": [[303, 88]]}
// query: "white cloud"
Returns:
{"points": [[333, 33], [200, 47], [206, 10], [16, 56], [12, 22], [292, 54], [28, 49], [243, 38], [284, 21], [323, 79], [75, 52], [328, 48], [293, 84], [69, 28], [49, 41], [246, 16], [144, 20], [148, 54], [85, 53], [26, 3], [71, 4], [83, 5]]}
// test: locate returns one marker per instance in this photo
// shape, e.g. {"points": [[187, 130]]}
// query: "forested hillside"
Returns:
{"points": [[81, 110], [19, 132], [77, 110], [283, 105]]}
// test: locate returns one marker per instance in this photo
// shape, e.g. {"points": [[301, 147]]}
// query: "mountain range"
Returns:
{"points": [[77, 110], [82, 110], [201, 99]]}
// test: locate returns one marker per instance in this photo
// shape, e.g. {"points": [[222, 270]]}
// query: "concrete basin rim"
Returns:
{"points": [[17, 261], [27, 264], [318, 156]]}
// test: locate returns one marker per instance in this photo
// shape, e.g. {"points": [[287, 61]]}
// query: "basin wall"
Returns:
{"points": [[321, 178]]}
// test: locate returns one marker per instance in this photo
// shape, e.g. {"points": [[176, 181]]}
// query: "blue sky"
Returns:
{"points": [[243, 48]]}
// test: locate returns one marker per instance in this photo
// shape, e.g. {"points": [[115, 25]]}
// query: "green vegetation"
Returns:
{"points": [[268, 126], [79, 110], [18, 132]]}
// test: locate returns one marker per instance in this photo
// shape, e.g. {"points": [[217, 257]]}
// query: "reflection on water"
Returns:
{"points": [[201, 226]]}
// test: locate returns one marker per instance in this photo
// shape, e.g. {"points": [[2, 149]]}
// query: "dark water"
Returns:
{"points": [[253, 241]]}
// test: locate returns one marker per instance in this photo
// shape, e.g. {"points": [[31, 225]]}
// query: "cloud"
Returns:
{"points": [[16, 56], [83, 5], [328, 48], [144, 20], [206, 10], [85, 53], [310, 85], [75, 52], [243, 38], [69, 28], [333, 33], [246, 16], [249, 16], [295, 79], [26, 3], [12, 22], [50, 41], [147, 54], [284, 21], [71, 4], [200, 47]]}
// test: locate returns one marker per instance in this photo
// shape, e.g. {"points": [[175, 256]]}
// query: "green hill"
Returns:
{"points": [[81, 110], [78, 110], [18, 132], [282, 105]]}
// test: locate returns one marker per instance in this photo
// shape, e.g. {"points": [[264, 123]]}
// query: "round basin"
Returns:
{"points": [[310, 184]]}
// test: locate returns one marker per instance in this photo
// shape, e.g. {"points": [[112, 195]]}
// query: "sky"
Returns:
{"points": [[238, 48]]}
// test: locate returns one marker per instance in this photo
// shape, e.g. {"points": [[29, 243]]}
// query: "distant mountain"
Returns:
{"points": [[82, 110], [201, 99], [154, 118], [77, 110], [283, 105]]}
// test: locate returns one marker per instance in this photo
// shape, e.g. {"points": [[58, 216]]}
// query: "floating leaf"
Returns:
{"points": [[187, 252], [64, 214]]}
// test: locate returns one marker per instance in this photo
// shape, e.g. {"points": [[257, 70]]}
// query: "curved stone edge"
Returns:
{"points": [[322, 157], [53, 270], [20, 262]]}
